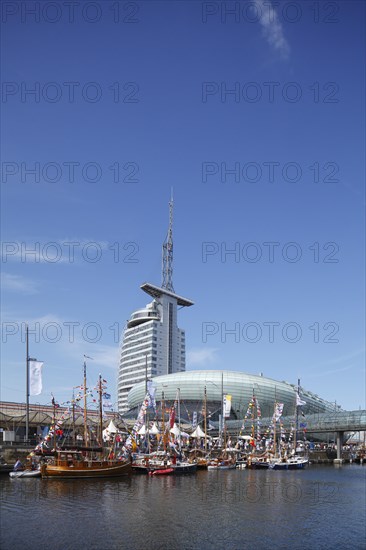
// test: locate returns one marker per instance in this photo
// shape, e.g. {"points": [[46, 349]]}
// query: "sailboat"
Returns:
{"points": [[294, 461], [87, 461], [256, 458], [181, 466]]}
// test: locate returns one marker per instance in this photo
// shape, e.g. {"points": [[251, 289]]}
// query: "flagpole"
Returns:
{"points": [[27, 387]]}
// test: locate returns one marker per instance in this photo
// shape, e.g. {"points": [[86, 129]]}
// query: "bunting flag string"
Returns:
{"points": [[53, 429], [253, 408], [139, 422]]}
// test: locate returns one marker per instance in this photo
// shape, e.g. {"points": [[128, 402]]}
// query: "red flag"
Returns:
{"points": [[172, 417]]}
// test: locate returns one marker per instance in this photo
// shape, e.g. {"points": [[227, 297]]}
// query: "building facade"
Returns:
{"points": [[153, 344]]}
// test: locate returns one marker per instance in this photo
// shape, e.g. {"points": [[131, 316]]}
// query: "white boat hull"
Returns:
{"points": [[25, 474]]}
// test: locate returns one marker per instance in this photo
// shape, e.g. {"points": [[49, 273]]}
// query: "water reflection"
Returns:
{"points": [[236, 509]]}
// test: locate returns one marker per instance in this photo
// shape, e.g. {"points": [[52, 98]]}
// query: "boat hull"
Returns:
{"points": [[289, 465], [25, 474], [184, 468], [85, 470], [258, 466], [211, 467], [164, 471]]}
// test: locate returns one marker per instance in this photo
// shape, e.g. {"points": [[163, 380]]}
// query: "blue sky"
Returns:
{"points": [[257, 122]]}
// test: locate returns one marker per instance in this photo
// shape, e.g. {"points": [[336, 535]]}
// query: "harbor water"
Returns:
{"points": [[321, 507]]}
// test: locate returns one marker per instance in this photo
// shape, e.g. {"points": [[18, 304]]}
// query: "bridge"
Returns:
{"points": [[337, 422]]}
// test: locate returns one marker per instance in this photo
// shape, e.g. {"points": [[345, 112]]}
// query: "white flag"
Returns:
{"points": [[35, 377], [227, 405], [278, 411], [299, 402]]}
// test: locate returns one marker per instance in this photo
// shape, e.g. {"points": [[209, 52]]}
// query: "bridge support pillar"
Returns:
{"points": [[339, 460]]}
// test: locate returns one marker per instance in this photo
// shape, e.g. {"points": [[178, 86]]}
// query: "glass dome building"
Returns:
{"points": [[193, 385]]}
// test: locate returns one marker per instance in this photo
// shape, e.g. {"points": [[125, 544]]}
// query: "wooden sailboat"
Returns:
{"points": [[294, 461], [181, 466], [85, 462]]}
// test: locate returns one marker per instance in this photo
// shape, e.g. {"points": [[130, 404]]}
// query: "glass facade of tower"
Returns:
{"points": [[153, 345]]}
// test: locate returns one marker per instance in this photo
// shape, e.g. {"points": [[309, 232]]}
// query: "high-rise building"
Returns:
{"points": [[153, 345]]}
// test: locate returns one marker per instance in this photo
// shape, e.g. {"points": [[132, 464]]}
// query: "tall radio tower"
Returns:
{"points": [[168, 253]]}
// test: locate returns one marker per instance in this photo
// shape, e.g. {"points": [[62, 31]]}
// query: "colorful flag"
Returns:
{"points": [[172, 417], [278, 411], [107, 401]]}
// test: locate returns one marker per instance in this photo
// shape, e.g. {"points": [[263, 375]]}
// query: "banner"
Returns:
{"points": [[151, 393], [194, 420], [35, 377], [227, 406], [299, 401]]}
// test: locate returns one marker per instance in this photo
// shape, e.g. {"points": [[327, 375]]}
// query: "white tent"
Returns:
{"points": [[175, 431], [198, 433], [154, 429], [110, 430]]}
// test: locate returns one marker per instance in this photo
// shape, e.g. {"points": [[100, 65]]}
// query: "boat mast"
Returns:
{"points": [[147, 408], [253, 413], [100, 391], [73, 417], [222, 407], [85, 408], [163, 418], [179, 436], [296, 413], [205, 418], [274, 424], [54, 423], [27, 386]]}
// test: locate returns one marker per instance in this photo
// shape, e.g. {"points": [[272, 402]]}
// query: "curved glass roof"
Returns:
{"points": [[241, 386]]}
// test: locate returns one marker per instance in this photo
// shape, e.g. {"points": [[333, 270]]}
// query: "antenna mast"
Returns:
{"points": [[168, 253]]}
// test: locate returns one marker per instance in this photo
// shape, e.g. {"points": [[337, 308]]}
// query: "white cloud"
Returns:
{"points": [[17, 283], [272, 27], [201, 357]]}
